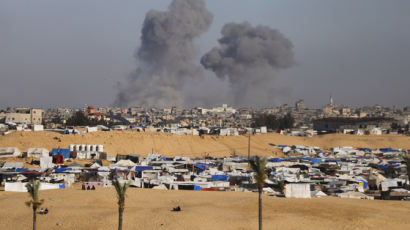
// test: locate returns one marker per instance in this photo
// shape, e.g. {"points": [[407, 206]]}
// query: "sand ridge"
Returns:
{"points": [[132, 142]]}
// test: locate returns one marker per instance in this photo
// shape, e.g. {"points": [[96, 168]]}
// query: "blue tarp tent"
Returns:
{"points": [[63, 152], [386, 150], [197, 188], [22, 170], [282, 146], [364, 183], [316, 160], [60, 170], [143, 168], [203, 167], [275, 160], [220, 177]]}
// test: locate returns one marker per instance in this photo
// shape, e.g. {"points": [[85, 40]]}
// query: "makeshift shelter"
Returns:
{"points": [[298, 190], [220, 177], [9, 152], [21, 187], [58, 159], [354, 195], [46, 162], [123, 163], [13, 165], [62, 152], [37, 152], [318, 193], [139, 168]]}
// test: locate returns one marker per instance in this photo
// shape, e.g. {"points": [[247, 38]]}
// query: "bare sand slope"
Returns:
{"points": [[150, 209], [127, 142]]}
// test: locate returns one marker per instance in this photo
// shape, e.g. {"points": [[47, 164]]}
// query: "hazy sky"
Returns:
{"points": [[74, 52]]}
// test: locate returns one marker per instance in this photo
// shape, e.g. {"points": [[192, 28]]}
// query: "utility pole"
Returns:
{"points": [[249, 147]]}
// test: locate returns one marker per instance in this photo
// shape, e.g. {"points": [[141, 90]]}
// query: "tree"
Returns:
{"points": [[120, 188], [258, 165], [274, 122], [80, 119], [32, 188]]}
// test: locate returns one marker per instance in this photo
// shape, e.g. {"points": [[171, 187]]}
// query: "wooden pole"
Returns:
{"points": [[249, 147]]}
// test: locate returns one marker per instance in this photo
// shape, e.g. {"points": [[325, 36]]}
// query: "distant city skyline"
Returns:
{"points": [[72, 53]]}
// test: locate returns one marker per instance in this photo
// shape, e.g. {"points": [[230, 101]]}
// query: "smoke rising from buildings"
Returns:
{"points": [[250, 57], [165, 57]]}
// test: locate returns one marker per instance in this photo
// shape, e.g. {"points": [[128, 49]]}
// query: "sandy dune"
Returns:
{"points": [[127, 142], [150, 209]]}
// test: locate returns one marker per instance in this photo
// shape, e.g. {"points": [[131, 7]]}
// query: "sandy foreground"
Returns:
{"points": [[128, 142], [150, 209]]}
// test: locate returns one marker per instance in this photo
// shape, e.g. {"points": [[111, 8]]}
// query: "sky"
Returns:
{"points": [[75, 52]]}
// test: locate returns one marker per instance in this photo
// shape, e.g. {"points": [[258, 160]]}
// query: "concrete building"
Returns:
{"points": [[338, 124], [300, 105], [25, 115]]}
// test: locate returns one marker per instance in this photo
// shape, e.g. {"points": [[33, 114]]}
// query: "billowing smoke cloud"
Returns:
{"points": [[166, 55], [250, 57]]}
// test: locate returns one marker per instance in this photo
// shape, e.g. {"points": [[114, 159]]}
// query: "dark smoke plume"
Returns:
{"points": [[250, 57], [166, 55]]}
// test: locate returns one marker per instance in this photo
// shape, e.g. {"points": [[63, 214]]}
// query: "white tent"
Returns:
{"points": [[297, 191], [355, 195], [46, 162], [160, 187], [95, 165], [318, 193], [123, 163], [9, 152], [37, 152], [21, 187], [13, 165], [92, 129], [38, 128]]}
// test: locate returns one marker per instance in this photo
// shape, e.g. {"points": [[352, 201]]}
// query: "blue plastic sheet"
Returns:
{"points": [[220, 177]]}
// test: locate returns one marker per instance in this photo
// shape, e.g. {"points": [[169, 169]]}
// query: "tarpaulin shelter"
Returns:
{"points": [[316, 160], [386, 150], [62, 152], [142, 168], [275, 160], [61, 170], [58, 159], [220, 177]]}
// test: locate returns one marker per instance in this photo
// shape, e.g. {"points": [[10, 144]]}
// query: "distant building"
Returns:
{"points": [[300, 105], [335, 124], [25, 115], [91, 113]]}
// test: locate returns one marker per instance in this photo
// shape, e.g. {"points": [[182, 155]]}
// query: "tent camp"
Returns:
{"points": [[37, 152], [9, 152]]}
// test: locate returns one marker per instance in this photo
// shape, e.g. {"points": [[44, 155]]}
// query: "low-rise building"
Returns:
{"points": [[25, 115]]}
